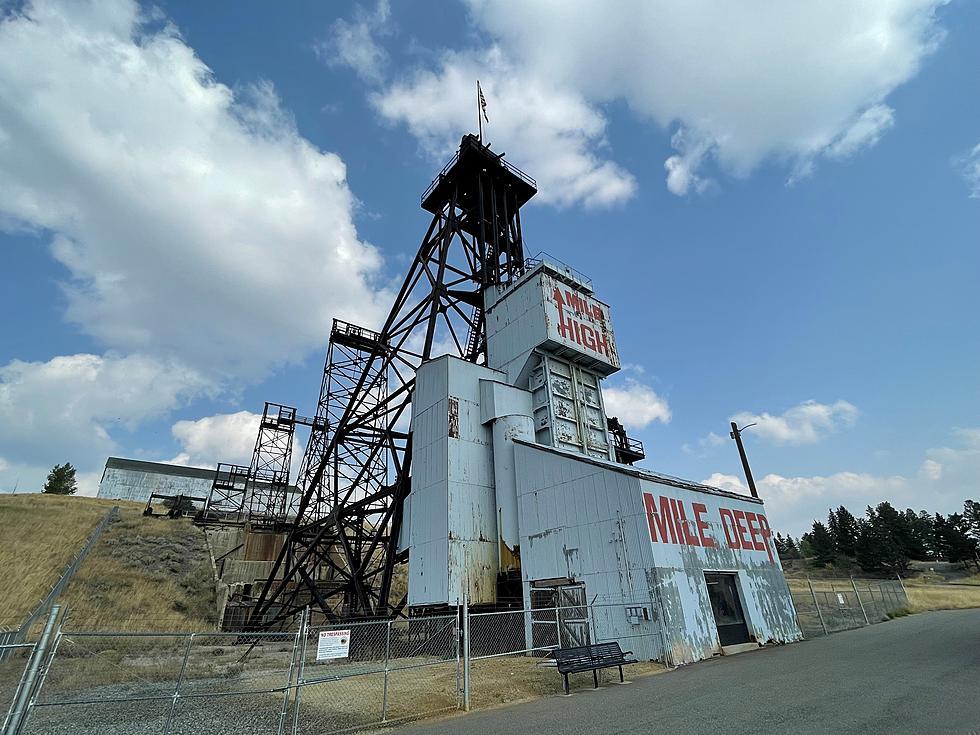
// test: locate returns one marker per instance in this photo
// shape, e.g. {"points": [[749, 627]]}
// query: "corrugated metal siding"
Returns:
{"points": [[587, 521], [139, 484], [453, 532]]}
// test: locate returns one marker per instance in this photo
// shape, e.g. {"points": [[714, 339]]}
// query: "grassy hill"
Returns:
{"points": [[144, 573], [41, 534]]}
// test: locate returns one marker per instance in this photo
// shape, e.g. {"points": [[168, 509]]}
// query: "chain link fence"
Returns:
{"points": [[830, 605], [344, 677]]}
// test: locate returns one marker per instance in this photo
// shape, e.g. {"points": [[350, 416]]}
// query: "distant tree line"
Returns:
{"points": [[885, 540]]}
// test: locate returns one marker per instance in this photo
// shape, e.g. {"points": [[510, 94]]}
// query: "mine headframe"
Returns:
{"points": [[260, 493], [341, 551]]}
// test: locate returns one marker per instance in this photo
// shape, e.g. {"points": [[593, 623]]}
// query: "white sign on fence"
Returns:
{"points": [[840, 599], [333, 644]]}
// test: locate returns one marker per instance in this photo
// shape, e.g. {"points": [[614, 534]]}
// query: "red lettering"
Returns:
{"points": [[766, 535], [588, 338], [602, 346], [728, 521], [750, 519], [742, 530], [706, 541], [689, 539], [677, 521], [659, 521]]}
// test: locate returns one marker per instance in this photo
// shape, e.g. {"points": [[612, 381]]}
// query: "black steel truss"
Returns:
{"points": [[341, 551]]}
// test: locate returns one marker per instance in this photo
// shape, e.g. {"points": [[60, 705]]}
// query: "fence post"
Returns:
{"points": [[817, 605], [384, 694], [22, 698], [466, 654], [180, 680], [858, 596], [904, 591], [304, 625], [289, 677], [557, 627]]}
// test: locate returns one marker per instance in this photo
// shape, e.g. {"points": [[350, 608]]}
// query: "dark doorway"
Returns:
{"points": [[727, 608]]}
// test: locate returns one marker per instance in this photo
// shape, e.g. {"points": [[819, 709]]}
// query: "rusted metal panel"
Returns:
{"points": [[635, 539], [262, 546]]}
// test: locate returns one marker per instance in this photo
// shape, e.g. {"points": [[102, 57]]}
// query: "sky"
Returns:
{"points": [[780, 201]]}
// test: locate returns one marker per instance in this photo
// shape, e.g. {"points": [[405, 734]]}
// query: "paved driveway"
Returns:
{"points": [[919, 674]]}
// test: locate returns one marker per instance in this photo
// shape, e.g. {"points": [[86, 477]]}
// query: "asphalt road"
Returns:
{"points": [[919, 674]]}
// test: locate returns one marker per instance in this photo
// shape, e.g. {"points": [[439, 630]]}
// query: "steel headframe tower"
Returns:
{"points": [[341, 551]]}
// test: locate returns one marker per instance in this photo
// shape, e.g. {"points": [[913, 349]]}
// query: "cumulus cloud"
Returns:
{"points": [[228, 437], [945, 478], [352, 43], [969, 168], [740, 82], [635, 404], [704, 445], [551, 132], [803, 424], [195, 221], [67, 408]]}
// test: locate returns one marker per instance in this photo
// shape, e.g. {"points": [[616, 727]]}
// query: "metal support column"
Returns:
{"points": [[22, 699], [466, 654], [817, 605], [858, 596]]}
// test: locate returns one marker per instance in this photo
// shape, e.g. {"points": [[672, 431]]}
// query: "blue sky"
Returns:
{"points": [[781, 204]]}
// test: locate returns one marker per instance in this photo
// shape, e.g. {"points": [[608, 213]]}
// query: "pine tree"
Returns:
{"points": [[780, 544], [971, 514], [960, 546], [824, 549], [924, 529], [881, 543], [61, 480], [940, 535], [792, 548], [846, 533]]}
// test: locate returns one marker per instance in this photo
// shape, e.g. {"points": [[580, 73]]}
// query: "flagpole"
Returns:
{"points": [[479, 116]]}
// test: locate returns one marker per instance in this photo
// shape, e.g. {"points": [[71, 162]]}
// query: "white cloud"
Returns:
{"points": [[66, 409], [195, 222], [740, 82], [352, 43], [635, 404], [704, 445], [946, 478], [865, 132], [969, 168], [228, 437], [932, 469], [682, 168], [549, 131], [731, 483], [803, 424]]}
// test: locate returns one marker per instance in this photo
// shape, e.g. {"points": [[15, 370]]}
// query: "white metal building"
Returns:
{"points": [[134, 479], [515, 480]]}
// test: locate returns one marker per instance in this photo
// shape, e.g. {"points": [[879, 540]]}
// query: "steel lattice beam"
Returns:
{"points": [[342, 548]]}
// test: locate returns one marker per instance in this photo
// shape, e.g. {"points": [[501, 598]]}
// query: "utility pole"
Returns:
{"points": [[736, 434]]}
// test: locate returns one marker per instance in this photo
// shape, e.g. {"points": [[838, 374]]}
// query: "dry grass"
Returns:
{"points": [[41, 534], [924, 597], [145, 573], [509, 679]]}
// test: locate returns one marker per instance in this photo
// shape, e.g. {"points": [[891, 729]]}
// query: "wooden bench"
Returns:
{"points": [[592, 658]]}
